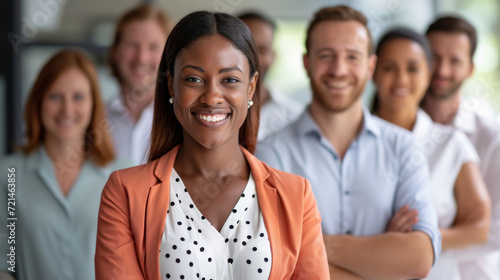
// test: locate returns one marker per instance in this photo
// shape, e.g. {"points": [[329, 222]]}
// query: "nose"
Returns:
{"points": [[66, 106], [142, 54], [402, 78], [212, 94], [442, 68], [338, 67]]}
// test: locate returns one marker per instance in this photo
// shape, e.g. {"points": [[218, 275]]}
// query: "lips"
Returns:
{"points": [[141, 68], [337, 85], [400, 91], [65, 122], [440, 81], [141, 71], [334, 84]]}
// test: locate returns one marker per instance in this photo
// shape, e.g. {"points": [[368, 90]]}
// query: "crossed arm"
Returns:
{"points": [[386, 256], [472, 221]]}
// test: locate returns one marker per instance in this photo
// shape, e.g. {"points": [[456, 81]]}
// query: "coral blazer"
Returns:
{"points": [[134, 206]]}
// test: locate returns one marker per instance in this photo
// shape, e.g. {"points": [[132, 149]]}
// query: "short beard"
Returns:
{"points": [[447, 95], [332, 109]]}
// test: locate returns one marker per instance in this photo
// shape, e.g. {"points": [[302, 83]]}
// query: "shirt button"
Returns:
{"points": [[346, 192]]}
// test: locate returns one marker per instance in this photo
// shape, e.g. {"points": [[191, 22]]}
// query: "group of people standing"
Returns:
{"points": [[232, 181]]}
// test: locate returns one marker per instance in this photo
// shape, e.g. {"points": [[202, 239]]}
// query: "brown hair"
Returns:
{"points": [[98, 141], [140, 13], [167, 132], [338, 13], [454, 24]]}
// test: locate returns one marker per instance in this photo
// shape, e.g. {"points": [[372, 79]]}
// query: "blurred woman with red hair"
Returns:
{"points": [[58, 175]]}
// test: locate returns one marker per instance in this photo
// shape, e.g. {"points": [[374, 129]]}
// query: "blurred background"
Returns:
{"points": [[32, 30]]}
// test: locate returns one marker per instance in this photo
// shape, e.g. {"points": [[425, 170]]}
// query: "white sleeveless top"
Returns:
{"points": [[194, 249], [446, 150]]}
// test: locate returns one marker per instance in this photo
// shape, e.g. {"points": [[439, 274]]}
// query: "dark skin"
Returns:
{"points": [[215, 190], [212, 78]]}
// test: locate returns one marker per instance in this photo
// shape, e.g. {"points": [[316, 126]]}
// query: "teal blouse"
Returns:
{"points": [[55, 235]]}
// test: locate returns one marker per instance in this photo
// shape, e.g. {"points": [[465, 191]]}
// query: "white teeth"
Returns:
{"points": [[141, 70], [337, 84], [400, 91], [212, 118], [65, 122]]}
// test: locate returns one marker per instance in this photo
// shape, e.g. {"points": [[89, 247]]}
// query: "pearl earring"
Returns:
{"points": [[250, 103], [171, 100]]}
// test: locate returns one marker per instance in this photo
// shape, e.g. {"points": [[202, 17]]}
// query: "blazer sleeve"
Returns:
{"points": [[312, 261], [116, 256]]}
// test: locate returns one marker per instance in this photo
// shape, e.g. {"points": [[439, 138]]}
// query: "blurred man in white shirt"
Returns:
{"points": [[134, 58], [453, 41]]}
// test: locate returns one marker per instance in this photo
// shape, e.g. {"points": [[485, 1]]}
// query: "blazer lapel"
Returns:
{"points": [[156, 213], [268, 202]]}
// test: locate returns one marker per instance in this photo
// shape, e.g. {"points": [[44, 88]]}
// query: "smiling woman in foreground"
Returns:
{"points": [[204, 207]]}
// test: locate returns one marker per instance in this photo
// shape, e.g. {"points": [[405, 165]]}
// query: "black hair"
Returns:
{"points": [[406, 33], [167, 131], [403, 33], [259, 16]]}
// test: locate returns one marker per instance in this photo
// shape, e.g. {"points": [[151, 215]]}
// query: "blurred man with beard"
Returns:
{"points": [[361, 168], [453, 41]]}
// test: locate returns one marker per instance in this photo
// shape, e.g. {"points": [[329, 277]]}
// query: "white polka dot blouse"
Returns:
{"points": [[191, 248]]}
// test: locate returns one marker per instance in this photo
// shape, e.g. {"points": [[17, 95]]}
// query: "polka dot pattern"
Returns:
{"points": [[194, 249]]}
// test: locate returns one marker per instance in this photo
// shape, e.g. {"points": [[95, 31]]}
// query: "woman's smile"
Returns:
{"points": [[211, 119]]}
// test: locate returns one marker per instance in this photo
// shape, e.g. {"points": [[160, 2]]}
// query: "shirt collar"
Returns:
{"points": [[117, 105], [41, 161], [275, 95], [464, 120], [369, 123], [306, 124], [422, 124]]}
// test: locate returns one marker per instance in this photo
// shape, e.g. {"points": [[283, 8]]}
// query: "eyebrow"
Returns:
{"points": [[224, 70], [394, 60], [230, 69], [348, 50], [355, 51], [194, 67], [322, 50]]}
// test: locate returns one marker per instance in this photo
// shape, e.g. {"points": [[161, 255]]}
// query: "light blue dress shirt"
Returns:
{"points": [[55, 235], [382, 171]]}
